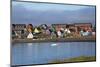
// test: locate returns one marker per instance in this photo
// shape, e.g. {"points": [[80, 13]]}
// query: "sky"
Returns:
{"points": [[46, 13]]}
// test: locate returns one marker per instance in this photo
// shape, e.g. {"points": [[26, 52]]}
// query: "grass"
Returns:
{"points": [[76, 59]]}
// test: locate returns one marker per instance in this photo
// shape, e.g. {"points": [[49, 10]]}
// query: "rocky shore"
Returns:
{"points": [[78, 39]]}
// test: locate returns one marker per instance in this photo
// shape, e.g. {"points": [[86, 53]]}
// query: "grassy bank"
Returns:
{"points": [[76, 59]]}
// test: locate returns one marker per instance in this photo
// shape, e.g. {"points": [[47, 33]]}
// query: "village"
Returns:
{"points": [[53, 31]]}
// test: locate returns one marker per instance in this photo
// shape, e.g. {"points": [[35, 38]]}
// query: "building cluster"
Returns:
{"points": [[23, 31]]}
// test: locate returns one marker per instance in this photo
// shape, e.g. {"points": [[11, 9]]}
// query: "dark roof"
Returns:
{"points": [[64, 24], [19, 24], [19, 29], [81, 23]]}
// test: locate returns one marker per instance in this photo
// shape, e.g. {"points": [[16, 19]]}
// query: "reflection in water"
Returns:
{"points": [[29, 44], [54, 44], [40, 53]]}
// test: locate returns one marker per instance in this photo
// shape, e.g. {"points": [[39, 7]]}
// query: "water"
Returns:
{"points": [[41, 53]]}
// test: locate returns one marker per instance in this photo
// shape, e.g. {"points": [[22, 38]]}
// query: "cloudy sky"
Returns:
{"points": [[45, 13]]}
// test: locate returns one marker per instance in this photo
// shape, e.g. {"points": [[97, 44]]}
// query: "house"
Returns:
{"points": [[18, 26], [59, 26], [83, 26], [71, 27], [18, 30], [30, 36]]}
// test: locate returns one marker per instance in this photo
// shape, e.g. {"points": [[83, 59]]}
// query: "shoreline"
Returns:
{"points": [[79, 39]]}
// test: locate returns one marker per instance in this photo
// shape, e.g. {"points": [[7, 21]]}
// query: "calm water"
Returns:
{"points": [[40, 53]]}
